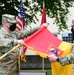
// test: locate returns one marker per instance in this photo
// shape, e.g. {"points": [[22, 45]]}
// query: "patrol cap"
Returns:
{"points": [[72, 23], [9, 18]]}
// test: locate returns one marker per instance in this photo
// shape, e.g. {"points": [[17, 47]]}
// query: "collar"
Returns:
{"points": [[5, 31]]}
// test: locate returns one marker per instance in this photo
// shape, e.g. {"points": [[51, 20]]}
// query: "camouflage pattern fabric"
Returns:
{"points": [[69, 59], [65, 60], [8, 65]]}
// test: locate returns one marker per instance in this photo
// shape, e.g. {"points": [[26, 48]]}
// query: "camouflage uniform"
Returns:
{"points": [[69, 59], [8, 65], [66, 59]]}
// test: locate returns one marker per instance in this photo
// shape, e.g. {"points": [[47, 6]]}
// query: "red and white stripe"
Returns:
{"points": [[20, 23]]}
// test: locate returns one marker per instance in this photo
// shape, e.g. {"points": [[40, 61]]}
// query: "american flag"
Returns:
{"points": [[21, 18], [21, 23]]}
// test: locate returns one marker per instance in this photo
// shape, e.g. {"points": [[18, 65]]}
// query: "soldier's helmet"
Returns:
{"points": [[9, 18]]}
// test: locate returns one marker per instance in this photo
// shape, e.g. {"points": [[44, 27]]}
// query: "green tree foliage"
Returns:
{"points": [[57, 9]]}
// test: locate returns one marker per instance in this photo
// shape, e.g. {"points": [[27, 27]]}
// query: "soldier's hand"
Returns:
{"points": [[52, 58], [21, 42]]}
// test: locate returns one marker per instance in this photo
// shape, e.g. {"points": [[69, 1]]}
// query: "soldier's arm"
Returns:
{"points": [[65, 60], [26, 32], [8, 42]]}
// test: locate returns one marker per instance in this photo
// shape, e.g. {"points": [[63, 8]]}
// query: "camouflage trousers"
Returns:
{"points": [[8, 69]]}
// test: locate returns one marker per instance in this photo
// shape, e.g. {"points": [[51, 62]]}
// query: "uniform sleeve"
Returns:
{"points": [[65, 60], [27, 32], [6, 42]]}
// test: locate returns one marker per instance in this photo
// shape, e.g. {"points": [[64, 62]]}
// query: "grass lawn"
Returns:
{"points": [[48, 72]]}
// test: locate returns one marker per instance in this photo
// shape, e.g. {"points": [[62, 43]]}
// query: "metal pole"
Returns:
{"points": [[43, 64]]}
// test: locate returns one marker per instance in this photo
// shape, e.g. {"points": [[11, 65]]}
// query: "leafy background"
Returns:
{"points": [[57, 9]]}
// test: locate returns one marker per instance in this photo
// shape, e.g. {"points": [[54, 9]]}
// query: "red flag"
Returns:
{"points": [[41, 42], [43, 15]]}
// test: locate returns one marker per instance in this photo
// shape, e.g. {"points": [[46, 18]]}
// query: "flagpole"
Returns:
{"points": [[19, 52], [19, 56], [43, 58], [14, 48], [43, 64], [19, 60]]}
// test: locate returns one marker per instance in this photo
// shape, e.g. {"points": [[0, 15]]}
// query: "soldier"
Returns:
{"points": [[63, 60], [72, 30], [9, 38]]}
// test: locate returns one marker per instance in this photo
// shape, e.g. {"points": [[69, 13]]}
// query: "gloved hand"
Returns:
{"points": [[21, 42], [52, 58]]}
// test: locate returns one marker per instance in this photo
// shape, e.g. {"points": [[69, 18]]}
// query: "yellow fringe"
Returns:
{"points": [[37, 52]]}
